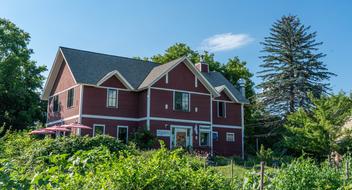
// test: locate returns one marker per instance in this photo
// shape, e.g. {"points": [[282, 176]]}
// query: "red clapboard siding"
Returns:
{"points": [[233, 114]]}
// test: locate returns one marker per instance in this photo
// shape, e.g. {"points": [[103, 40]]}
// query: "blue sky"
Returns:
{"points": [[145, 28]]}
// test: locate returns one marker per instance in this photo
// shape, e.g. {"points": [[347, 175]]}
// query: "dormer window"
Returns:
{"points": [[111, 101], [182, 101]]}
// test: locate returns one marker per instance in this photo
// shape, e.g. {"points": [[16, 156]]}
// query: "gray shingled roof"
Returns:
{"points": [[217, 79], [90, 67]]}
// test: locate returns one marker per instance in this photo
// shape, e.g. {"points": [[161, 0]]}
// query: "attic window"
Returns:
{"points": [[167, 78]]}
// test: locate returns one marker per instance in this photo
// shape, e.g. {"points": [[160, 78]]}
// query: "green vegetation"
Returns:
{"points": [[102, 162]]}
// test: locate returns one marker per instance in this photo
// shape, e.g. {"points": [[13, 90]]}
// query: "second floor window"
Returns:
{"points": [[221, 109], [111, 98], [56, 103], [70, 96], [181, 101]]}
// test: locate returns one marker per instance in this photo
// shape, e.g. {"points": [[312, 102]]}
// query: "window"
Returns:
{"points": [[167, 78], [221, 109], [215, 136], [111, 98], [204, 135], [204, 138], [230, 137], [70, 96], [122, 133], [181, 101], [56, 103], [98, 130]]}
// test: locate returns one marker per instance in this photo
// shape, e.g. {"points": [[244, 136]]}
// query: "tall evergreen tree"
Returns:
{"points": [[292, 67], [20, 79]]}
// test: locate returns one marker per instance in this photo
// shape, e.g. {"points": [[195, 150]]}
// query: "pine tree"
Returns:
{"points": [[292, 67]]}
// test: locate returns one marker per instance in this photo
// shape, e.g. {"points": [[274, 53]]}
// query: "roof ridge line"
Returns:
{"points": [[110, 55]]}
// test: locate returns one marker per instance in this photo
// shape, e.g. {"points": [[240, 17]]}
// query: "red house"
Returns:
{"points": [[179, 102]]}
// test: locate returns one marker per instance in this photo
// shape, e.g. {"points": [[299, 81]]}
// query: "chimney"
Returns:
{"points": [[241, 83], [202, 66]]}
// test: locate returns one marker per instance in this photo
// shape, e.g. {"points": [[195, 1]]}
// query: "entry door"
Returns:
{"points": [[122, 133], [181, 138]]}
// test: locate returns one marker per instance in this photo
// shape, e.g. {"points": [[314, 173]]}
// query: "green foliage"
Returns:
{"points": [[19, 75], [144, 140], [98, 163], [292, 67], [319, 131], [265, 155], [303, 173]]}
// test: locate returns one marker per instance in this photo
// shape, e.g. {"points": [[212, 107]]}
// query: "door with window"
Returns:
{"points": [[122, 134], [181, 137]]}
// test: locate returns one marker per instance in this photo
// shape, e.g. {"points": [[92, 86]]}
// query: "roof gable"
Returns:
{"points": [[51, 81], [158, 72]]}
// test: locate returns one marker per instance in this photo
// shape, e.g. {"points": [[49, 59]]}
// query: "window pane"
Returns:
{"points": [[70, 95], [221, 109], [112, 98], [56, 104], [215, 136], [185, 101], [230, 137], [122, 134], [204, 138], [178, 101], [98, 130]]}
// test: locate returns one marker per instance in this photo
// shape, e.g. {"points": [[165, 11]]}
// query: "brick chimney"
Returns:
{"points": [[202, 65]]}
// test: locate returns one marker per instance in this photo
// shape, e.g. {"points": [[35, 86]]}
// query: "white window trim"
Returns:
{"points": [[98, 125], [189, 100], [227, 139], [181, 127], [205, 129], [217, 108], [117, 132], [107, 98], [167, 78]]}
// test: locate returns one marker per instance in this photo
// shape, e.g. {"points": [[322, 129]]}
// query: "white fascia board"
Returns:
{"points": [[118, 76]]}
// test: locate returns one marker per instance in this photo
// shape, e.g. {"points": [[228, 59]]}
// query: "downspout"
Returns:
{"points": [[79, 130], [242, 124], [148, 109], [211, 125]]}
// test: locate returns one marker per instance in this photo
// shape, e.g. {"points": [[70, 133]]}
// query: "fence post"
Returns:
{"points": [[231, 169], [262, 175], [347, 172]]}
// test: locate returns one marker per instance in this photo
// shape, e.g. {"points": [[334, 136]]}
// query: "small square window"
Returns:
{"points": [[230, 137]]}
